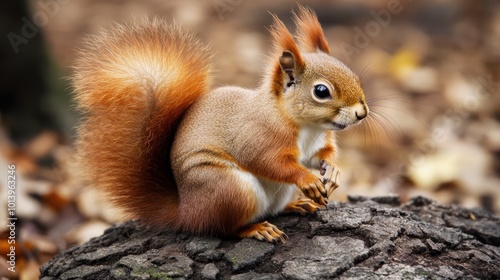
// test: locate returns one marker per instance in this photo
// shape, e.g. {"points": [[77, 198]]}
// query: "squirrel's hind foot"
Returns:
{"points": [[263, 231], [303, 206]]}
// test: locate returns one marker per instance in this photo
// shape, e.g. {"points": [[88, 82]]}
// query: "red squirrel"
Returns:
{"points": [[171, 152]]}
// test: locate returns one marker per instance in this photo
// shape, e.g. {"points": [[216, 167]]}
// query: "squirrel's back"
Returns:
{"points": [[133, 84]]}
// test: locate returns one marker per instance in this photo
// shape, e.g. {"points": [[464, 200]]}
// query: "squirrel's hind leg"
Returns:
{"points": [[230, 201], [215, 200]]}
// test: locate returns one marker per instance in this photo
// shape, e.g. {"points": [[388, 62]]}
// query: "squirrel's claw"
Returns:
{"points": [[330, 175], [329, 172], [263, 231], [303, 206], [330, 187], [315, 190]]}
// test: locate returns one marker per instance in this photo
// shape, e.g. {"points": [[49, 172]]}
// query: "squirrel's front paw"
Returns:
{"points": [[315, 190], [330, 175], [329, 172]]}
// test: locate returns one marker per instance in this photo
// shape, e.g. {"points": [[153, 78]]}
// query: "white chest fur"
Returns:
{"points": [[310, 141]]}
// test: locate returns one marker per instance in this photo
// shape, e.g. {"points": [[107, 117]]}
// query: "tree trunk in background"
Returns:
{"points": [[24, 86]]}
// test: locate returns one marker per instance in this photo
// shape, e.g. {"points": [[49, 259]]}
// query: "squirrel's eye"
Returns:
{"points": [[321, 92]]}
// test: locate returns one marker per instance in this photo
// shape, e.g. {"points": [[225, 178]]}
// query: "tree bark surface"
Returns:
{"points": [[365, 238]]}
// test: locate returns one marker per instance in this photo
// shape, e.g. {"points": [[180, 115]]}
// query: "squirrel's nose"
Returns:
{"points": [[361, 114]]}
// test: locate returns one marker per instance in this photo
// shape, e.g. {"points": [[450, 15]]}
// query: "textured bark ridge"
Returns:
{"points": [[365, 238]]}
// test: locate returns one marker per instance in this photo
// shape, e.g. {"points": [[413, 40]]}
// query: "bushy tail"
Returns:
{"points": [[133, 84]]}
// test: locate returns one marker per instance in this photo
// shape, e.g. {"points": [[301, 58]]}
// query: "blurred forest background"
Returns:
{"points": [[430, 68]]}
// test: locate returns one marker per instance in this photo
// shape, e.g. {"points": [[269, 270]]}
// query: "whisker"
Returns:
{"points": [[366, 69], [371, 133], [274, 196], [390, 108], [394, 100], [373, 129], [407, 113], [372, 101], [390, 121], [380, 126], [372, 136]]}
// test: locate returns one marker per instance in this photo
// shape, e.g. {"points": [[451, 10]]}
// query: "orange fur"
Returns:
{"points": [[277, 158], [276, 154], [282, 41], [309, 32], [139, 86], [302, 206], [284, 153], [219, 208], [263, 231], [133, 84], [328, 151]]}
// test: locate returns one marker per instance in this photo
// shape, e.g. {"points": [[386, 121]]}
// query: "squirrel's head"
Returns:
{"points": [[315, 88]]}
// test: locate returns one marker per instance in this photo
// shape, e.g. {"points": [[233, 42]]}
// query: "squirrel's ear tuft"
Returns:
{"points": [[309, 31], [283, 42]]}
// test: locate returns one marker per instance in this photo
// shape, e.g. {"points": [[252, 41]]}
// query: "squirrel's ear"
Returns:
{"points": [[291, 64], [284, 43], [287, 63], [309, 31]]}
